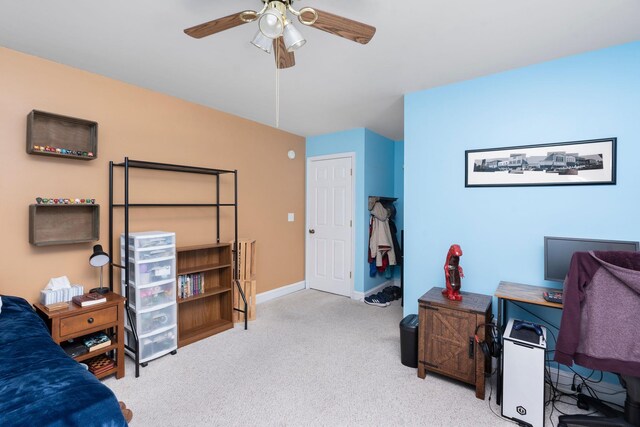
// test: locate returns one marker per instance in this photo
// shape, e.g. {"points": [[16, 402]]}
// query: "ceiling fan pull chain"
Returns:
{"points": [[277, 88]]}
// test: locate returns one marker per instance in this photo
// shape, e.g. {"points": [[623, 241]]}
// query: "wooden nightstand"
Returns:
{"points": [[77, 321], [446, 337]]}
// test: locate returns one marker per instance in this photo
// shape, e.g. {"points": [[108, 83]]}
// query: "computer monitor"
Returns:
{"points": [[559, 250]]}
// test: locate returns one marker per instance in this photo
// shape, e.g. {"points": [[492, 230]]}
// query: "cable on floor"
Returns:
{"points": [[489, 400]]}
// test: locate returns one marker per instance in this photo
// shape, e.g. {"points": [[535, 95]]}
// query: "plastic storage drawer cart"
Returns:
{"points": [[152, 293]]}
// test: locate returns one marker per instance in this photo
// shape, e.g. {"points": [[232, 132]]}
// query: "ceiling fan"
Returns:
{"points": [[277, 33]]}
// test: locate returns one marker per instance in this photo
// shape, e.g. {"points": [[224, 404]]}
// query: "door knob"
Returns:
{"points": [[312, 231]]}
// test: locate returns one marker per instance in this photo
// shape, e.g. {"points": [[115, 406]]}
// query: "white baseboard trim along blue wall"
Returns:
{"points": [[361, 295], [295, 287]]}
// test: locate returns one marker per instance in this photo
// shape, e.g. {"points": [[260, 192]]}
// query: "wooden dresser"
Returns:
{"points": [[446, 337]]}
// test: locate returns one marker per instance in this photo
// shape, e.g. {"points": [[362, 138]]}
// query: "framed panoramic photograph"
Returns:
{"points": [[563, 163]]}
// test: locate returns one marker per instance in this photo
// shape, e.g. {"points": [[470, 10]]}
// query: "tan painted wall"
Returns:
{"points": [[142, 125]]}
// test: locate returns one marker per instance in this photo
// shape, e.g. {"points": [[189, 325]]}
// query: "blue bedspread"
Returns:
{"points": [[39, 384]]}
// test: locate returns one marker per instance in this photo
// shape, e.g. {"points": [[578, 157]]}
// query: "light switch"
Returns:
{"points": [[291, 217]]}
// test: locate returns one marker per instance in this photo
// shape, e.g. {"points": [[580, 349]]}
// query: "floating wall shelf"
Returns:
{"points": [[61, 136], [63, 224]]}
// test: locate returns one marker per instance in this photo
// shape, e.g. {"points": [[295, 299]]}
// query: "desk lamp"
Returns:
{"points": [[99, 258]]}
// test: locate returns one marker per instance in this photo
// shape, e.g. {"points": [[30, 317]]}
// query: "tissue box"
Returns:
{"points": [[48, 296]]}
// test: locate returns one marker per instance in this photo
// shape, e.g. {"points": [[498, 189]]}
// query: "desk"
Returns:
{"points": [[528, 294]]}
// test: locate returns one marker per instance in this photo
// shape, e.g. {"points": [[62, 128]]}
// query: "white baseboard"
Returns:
{"points": [[361, 295], [295, 287], [279, 292], [605, 390]]}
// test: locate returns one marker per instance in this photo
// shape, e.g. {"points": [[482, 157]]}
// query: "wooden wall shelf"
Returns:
{"points": [[64, 133], [63, 224]]}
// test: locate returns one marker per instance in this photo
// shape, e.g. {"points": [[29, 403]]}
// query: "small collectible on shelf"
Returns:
{"points": [[453, 274], [65, 151], [61, 201]]}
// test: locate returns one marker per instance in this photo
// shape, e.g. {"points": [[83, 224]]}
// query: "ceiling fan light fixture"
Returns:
{"points": [[293, 39], [271, 23], [263, 42]]}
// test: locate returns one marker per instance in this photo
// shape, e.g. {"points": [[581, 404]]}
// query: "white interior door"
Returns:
{"points": [[329, 224]]}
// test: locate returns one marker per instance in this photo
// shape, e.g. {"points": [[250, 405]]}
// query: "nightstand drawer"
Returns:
{"points": [[83, 322]]}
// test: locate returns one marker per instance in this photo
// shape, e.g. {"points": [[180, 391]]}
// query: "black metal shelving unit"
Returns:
{"points": [[139, 164]]}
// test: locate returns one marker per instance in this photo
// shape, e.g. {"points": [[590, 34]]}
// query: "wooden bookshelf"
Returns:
{"points": [[201, 315]]}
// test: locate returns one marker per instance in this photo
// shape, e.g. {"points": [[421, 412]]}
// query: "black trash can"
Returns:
{"points": [[409, 341]]}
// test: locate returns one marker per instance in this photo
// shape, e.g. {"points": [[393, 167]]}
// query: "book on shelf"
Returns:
{"points": [[190, 285], [74, 348], [91, 298], [96, 341]]}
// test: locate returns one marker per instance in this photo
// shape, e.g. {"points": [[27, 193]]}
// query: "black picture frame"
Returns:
{"points": [[588, 162]]}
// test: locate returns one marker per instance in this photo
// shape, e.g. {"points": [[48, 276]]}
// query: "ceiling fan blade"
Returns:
{"points": [[284, 59], [343, 27], [215, 26]]}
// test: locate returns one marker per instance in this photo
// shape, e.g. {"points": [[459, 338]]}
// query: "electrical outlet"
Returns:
{"points": [[291, 217]]}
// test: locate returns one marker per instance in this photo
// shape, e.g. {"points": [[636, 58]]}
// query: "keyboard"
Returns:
{"points": [[554, 296]]}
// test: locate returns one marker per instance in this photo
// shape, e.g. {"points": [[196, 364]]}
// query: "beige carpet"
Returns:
{"points": [[309, 359]]}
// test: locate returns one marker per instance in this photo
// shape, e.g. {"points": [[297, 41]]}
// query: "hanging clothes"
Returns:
{"points": [[394, 235], [381, 246]]}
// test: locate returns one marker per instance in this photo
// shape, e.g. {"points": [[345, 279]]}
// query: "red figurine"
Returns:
{"points": [[453, 274]]}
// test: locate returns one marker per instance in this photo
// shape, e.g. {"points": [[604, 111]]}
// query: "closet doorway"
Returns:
{"points": [[330, 227]]}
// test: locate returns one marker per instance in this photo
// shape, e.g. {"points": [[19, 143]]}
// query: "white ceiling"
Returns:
{"points": [[336, 84]]}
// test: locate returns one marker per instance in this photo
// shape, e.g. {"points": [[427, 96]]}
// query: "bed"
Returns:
{"points": [[39, 384]]}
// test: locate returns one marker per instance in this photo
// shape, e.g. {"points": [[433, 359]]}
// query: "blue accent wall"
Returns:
{"points": [[398, 182], [374, 175], [587, 96], [398, 191], [379, 181]]}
